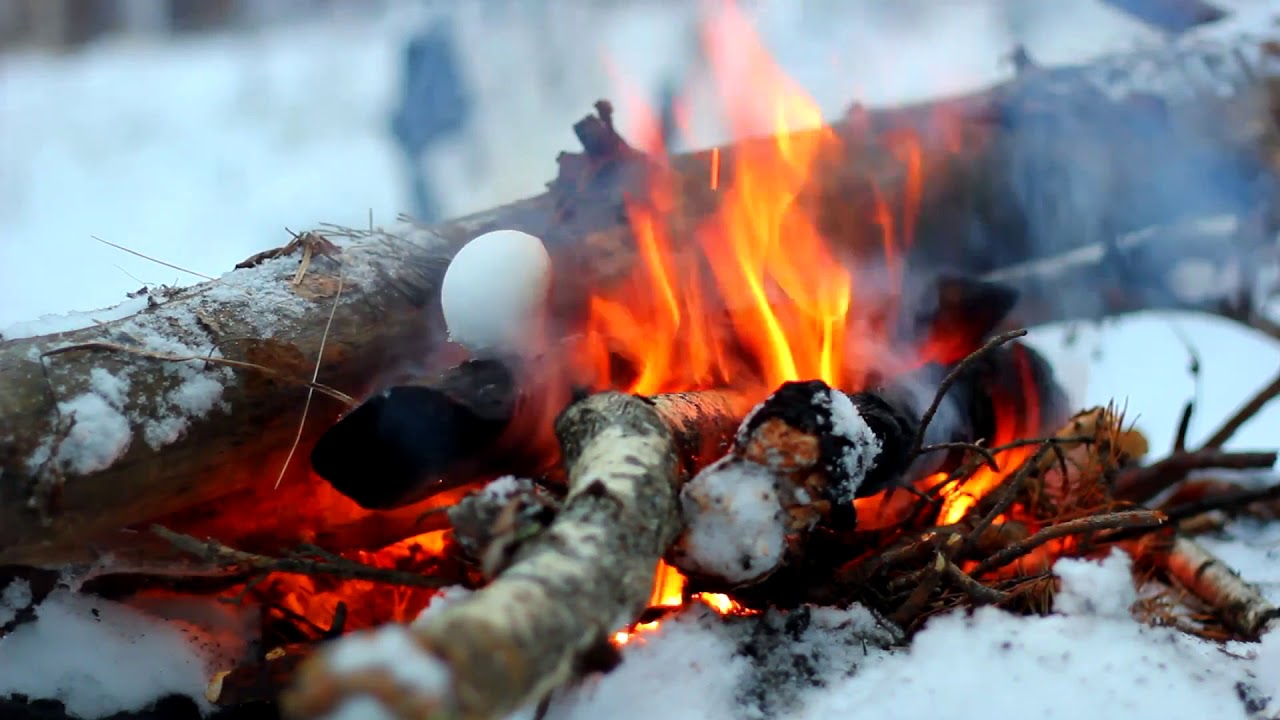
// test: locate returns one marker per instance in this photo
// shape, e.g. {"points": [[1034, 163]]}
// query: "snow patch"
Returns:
{"points": [[393, 650], [687, 669], [15, 598], [1267, 665], [994, 664], [793, 654], [100, 657], [1104, 588], [735, 526]]}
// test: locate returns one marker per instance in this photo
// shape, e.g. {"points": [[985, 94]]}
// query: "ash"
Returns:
{"points": [[794, 653]]}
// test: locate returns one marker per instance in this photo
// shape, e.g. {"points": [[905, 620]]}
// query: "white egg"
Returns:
{"points": [[495, 293]]}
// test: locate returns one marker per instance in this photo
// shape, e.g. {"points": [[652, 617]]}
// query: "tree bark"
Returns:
{"points": [[93, 441]]}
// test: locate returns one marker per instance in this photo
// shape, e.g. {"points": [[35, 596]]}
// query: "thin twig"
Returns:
{"points": [[925, 582], [1092, 523], [163, 357], [986, 454], [315, 374], [1184, 425], [963, 581], [995, 342], [154, 260], [214, 551], [1244, 414], [1004, 495], [1051, 440]]}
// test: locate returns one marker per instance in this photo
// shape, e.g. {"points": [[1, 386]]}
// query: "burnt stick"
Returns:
{"points": [[1142, 484], [477, 420]]}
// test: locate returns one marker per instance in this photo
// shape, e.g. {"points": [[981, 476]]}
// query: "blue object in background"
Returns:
{"points": [[435, 105]]}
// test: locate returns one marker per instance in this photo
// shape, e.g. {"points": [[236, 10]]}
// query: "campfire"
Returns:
{"points": [[749, 380]]}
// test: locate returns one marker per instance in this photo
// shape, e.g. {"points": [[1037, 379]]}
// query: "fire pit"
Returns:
{"points": [[749, 386]]}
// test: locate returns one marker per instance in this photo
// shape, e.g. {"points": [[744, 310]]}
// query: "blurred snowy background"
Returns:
{"points": [[196, 131]]}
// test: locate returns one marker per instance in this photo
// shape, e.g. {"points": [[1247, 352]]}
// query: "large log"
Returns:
{"points": [[96, 440]]}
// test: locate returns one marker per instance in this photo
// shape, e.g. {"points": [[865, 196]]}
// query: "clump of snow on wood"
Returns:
{"points": [[392, 650], [97, 435], [863, 446], [734, 523], [66, 322], [194, 398], [113, 388], [100, 657], [268, 284], [1095, 588]]}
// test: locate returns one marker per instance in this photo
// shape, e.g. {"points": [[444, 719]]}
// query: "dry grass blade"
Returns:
{"points": [[315, 374], [154, 260]]}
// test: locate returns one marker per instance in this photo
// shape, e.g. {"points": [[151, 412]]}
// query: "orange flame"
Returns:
{"points": [[754, 295], [1012, 422]]}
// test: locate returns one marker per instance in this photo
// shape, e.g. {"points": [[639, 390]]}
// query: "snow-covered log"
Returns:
{"points": [[549, 615], [121, 432]]}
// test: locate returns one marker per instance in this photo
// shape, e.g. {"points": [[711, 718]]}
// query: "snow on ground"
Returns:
{"points": [[201, 153], [99, 657]]}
